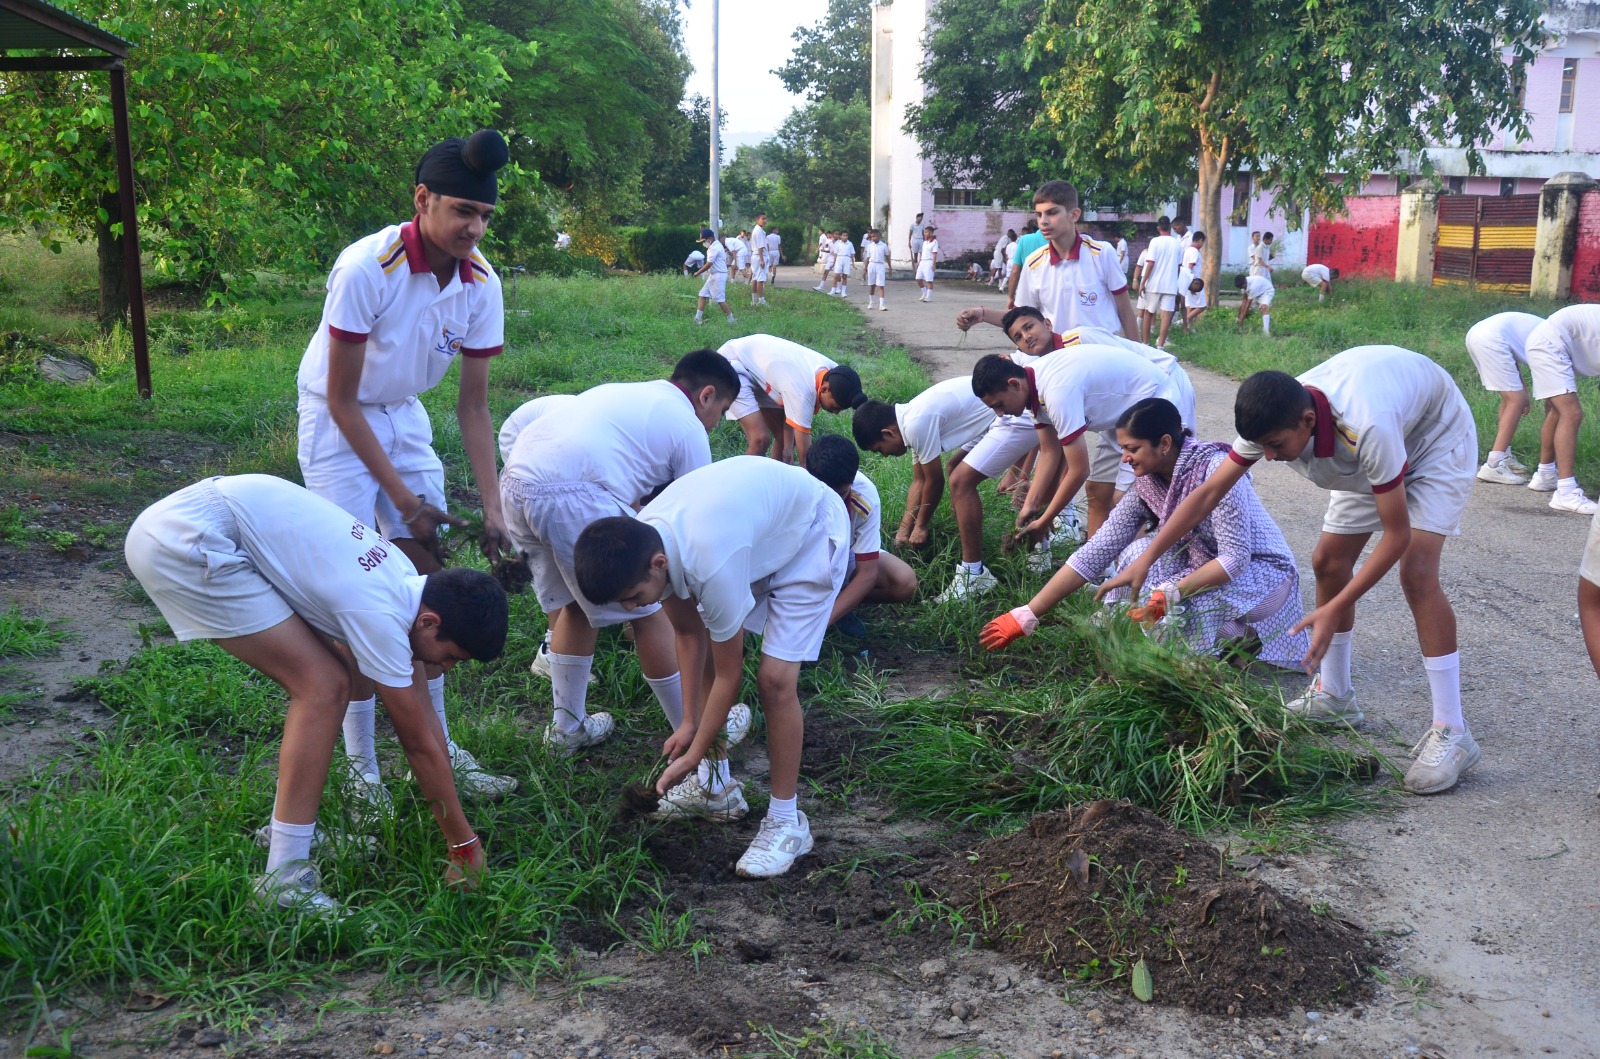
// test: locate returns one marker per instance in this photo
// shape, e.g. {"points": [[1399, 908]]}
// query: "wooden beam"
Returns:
{"points": [[130, 232], [49, 63]]}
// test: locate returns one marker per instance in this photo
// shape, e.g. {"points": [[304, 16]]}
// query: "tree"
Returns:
{"points": [[674, 189], [825, 163], [751, 182], [832, 59], [1311, 95]]}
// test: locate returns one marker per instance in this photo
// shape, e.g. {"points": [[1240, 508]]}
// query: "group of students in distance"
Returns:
{"points": [[336, 590], [752, 255]]}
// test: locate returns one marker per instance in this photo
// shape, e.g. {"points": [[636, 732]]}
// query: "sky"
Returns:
{"points": [[752, 97]]}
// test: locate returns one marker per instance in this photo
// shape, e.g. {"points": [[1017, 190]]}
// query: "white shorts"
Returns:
{"points": [[1552, 371], [1008, 441], [751, 399], [876, 275], [1105, 463], [1589, 568], [759, 275], [1265, 301], [544, 522], [1436, 495], [838, 263], [332, 470], [793, 605], [1151, 302], [925, 270], [716, 287], [185, 552], [1497, 366], [1183, 396]]}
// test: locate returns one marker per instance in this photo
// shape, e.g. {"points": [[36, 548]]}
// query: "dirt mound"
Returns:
{"points": [[1091, 890]]}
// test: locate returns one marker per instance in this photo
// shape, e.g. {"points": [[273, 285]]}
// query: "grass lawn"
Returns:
{"points": [[130, 862]]}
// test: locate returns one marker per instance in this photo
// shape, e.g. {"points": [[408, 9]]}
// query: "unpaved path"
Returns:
{"points": [[1496, 881]]}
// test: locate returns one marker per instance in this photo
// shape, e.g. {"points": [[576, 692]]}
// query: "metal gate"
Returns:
{"points": [[1486, 241]]}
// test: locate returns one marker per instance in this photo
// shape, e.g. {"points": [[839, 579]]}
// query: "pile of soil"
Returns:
{"points": [[1113, 883]]}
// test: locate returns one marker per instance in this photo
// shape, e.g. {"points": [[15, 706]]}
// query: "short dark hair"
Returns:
{"points": [[612, 555], [1060, 192], [991, 373], [1152, 419], [1198, 280], [1268, 401], [869, 421], [1163, 223], [1334, 273], [1018, 313], [833, 461], [707, 367], [1266, 237], [1239, 281], [472, 608], [845, 385], [1197, 236]]}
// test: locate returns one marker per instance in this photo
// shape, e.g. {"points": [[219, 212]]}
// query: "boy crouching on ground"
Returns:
{"points": [[757, 546]]}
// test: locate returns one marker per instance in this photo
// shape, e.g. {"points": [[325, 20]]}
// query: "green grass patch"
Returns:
{"points": [[30, 637]]}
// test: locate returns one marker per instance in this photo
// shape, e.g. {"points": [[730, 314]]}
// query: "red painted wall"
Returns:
{"points": [[1362, 241], [1586, 258]]}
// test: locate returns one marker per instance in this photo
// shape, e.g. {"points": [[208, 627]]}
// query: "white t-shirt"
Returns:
{"points": [[735, 244], [849, 250], [789, 372], [629, 438], [866, 519], [930, 249], [1094, 336], [1194, 299], [1075, 290], [1388, 409], [336, 573], [1574, 331], [1191, 257], [1259, 288], [382, 292], [717, 257], [1122, 254], [726, 526], [1503, 334], [916, 237], [944, 417], [1166, 253], [694, 260], [525, 414], [774, 240], [1316, 275], [875, 253], [1090, 387], [758, 242]]}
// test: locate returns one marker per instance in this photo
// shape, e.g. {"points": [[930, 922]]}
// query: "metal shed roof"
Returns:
{"points": [[29, 25]]}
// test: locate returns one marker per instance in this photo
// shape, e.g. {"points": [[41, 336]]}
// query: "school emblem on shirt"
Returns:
{"points": [[1088, 297], [449, 343]]}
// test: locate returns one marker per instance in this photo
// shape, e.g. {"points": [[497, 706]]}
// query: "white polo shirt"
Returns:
{"points": [[774, 240], [382, 292], [788, 372], [866, 519], [1316, 275], [1191, 257], [717, 258], [1090, 388], [1095, 336], [1502, 335], [758, 242], [1166, 253], [944, 417], [1075, 290], [525, 414], [1380, 410], [1575, 333], [1259, 289], [726, 526], [629, 438], [875, 253], [1122, 254], [1195, 299], [930, 249], [695, 259]]}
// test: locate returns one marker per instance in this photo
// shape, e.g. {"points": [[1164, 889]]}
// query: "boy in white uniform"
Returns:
{"points": [[1195, 303], [1158, 298], [875, 254], [1256, 290], [946, 417], [1563, 347], [744, 545], [602, 454], [1387, 433], [1072, 279], [1121, 246], [872, 575], [402, 304], [1253, 256], [844, 255], [758, 261], [917, 236], [308, 596], [692, 263], [1320, 277], [927, 261], [715, 270], [781, 386], [739, 247], [1498, 348], [774, 244]]}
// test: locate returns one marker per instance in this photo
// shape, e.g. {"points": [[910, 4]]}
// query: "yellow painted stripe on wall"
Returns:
{"points": [[1449, 281], [1456, 236], [1506, 238]]}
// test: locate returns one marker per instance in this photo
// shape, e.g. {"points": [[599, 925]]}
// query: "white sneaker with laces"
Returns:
{"points": [[296, 887], [882, 308], [967, 585], [1573, 501], [473, 781], [323, 841], [541, 661], [776, 847], [375, 801], [1500, 474], [737, 726], [1042, 560], [1443, 755], [1321, 707], [595, 729], [690, 800], [1543, 481], [1516, 465], [1068, 527]]}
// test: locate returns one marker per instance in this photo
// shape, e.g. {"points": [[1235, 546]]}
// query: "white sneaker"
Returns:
{"points": [[731, 320], [1500, 474], [473, 782], [541, 661], [882, 308], [1320, 707], [1068, 527], [297, 887], [331, 842], [776, 848], [691, 801], [1042, 560], [737, 727], [967, 585], [370, 790], [1573, 501], [1442, 756], [595, 729], [1543, 481], [1516, 465]]}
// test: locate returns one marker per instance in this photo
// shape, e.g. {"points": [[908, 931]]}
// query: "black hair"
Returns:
{"points": [[845, 385], [612, 555], [707, 367], [1060, 192], [1019, 313], [1198, 280], [990, 374], [1269, 401], [870, 420], [1163, 223], [1239, 281], [1266, 236], [1152, 419], [833, 461], [1334, 273], [1197, 236], [472, 609], [1031, 227]]}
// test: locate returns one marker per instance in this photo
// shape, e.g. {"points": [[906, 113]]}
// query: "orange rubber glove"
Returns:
{"points": [[1156, 607], [1008, 628]]}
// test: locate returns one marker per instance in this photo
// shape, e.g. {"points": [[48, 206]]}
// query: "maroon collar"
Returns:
{"points": [[417, 257], [1033, 392], [1072, 255], [1322, 433], [686, 395], [1056, 341]]}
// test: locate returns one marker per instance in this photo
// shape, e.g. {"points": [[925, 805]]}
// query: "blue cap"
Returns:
{"points": [[707, 233]]}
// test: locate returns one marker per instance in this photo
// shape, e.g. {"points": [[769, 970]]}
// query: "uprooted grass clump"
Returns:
{"points": [[1110, 893]]}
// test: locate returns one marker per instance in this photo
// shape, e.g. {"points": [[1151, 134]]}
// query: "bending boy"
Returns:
{"points": [[781, 386], [1559, 350], [1498, 346], [872, 575]]}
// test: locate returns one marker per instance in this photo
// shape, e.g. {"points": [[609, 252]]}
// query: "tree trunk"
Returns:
{"points": [[1211, 221], [113, 266]]}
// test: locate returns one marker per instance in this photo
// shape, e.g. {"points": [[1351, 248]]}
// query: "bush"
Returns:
{"points": [[657, 247]]}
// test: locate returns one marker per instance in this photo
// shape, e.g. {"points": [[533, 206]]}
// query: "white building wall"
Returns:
{"points": [[897, 170]]}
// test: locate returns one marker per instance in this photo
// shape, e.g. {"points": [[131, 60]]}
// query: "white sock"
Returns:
{"points": [[289, 843], [436, 693], [784, 810], [714, 775], [1335, 669], [1496, 458], [700, 315], [973, 568], [1444, 681], [1321, 297], [1266, 324], [360, 738], [669, 693], [569, 682], [1568, 485], [1547, 469]]}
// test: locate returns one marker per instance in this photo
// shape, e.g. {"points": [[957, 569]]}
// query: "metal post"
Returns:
{"points": [[130, 230], [716, 126]]}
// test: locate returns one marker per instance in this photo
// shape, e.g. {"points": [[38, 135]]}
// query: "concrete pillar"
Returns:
{"points": [[1419, 230], [883, 113], [1557, 236]]}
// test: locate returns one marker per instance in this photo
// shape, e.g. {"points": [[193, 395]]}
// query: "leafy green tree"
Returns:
{"points": [[832, 59], [674, 189], [825, 163], [1311, 95], [751, 182]]}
